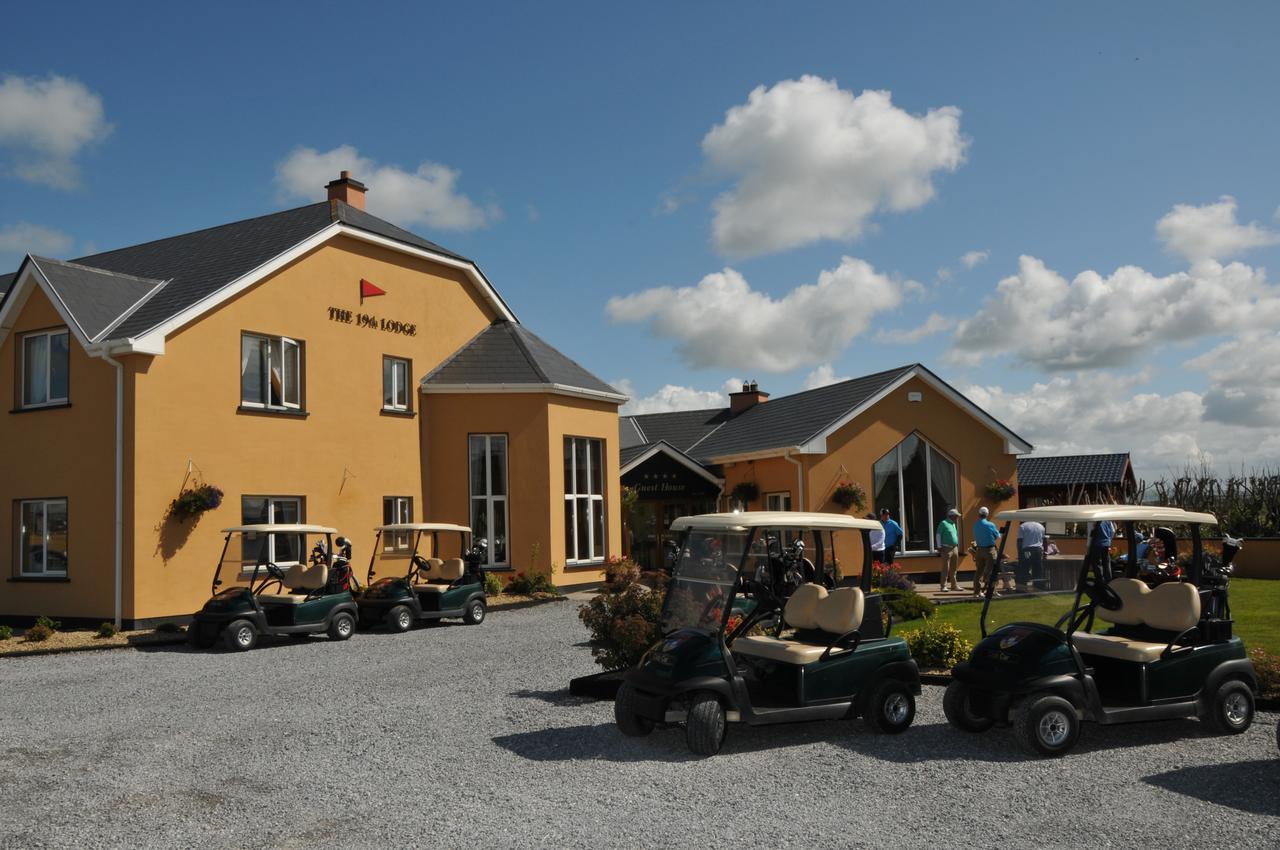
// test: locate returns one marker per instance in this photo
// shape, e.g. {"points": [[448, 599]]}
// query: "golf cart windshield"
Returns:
{"points": [[251, 552], [402, 548], [703, 579]]}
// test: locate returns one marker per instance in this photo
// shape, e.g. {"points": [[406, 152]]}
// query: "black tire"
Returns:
{"points": [[957, 705], [240, 636], [474, 614], [624, 714], [890, 708], [1231, 708], [1046, 724], [399, 619], [705, 727], [342, 626]]}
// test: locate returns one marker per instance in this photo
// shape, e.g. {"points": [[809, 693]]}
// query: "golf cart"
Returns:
{"points": [[308, 596], [817, 655], [423, 588], [1164, 648]]}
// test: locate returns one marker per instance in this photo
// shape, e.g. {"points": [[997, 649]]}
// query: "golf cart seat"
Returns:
{"points": [[301, 579], [1173, 607], [431, 570], [442, 576], [811, 608]]}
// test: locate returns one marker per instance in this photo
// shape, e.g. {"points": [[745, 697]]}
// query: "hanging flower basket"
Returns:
{"points": [[1001, 489], [849, 496], [194, 501], [745, 492]]}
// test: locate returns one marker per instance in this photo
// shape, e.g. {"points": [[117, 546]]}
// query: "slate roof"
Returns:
{"points": [[1072, 469], [630, 453], [6, 281], [94, 298], [682, 428], [509, 353]]}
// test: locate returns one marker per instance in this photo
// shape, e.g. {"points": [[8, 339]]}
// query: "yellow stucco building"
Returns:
{"points": [[319, 365]]}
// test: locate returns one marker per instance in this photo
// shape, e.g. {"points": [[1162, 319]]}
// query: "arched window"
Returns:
{"points": [[917, 483]]}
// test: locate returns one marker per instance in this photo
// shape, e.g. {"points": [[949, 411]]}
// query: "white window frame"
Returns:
{"points": [[49, 400], [492, 502], [595, 502], [398, 364], [264, 374], [22, 539], [401, 511], [776, 501], [901, 514], [247, 569]]}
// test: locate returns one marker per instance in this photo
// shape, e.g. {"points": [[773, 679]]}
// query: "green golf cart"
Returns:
{"points": [[279, 588], [1163, 647], [820, 654], [423, 587]]}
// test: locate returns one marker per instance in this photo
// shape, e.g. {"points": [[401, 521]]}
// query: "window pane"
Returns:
{"points": [[570, 536], [288, 547], [479, 487], [885, 475], [55, 517], [402, 384], [59, 366], [275, 377], [253, 548], [292, 374], [498, 545], [584, 527], [32, 539], [942, 473], [251, 351], [388, 511], [480, 521], [915, 487], [580, 461], [597, 511], [597, 485], [35, 367], [498, 466], [568, 466], [388, 382]]}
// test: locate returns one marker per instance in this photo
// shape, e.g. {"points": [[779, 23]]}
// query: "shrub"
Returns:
{"points": [[51, 625], [107, 629], [906, 604], [37, 633], [937, 645], [625, 617], [492, 584], [1267, 668], [169, 627], [526, 585], [6, 632]]}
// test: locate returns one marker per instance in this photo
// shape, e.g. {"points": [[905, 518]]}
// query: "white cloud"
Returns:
{"points": [[813, 161], [1211, 232], [45, 123], [823, 376], [973, 259], [427, 196], [935, 323], [23, 238], [672, 397], [1244, 375], [721, 322], [1092, 321]]}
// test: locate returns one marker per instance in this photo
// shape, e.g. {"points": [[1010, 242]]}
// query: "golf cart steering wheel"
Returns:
{"points": [[275, 572], [1101, 594]]}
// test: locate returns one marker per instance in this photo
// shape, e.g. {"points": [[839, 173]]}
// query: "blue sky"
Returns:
{"points": [[576, 132]]}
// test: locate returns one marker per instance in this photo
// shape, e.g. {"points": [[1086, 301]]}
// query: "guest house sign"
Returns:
{"points": [[361, 319]]}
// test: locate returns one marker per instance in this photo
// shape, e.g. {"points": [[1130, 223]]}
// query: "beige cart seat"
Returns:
{"points": [[300, 577], [442, 574], [1172, 607], [811, 606]]}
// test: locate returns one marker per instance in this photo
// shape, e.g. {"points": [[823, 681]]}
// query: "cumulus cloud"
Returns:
{"points": [[1211, 232], [721, 322], [428, 195], [813, 161], [1244, 376], [45, 124], [1093, 321], [23, 238], [823, 376], [672, 397], [973, 259], [936, 323]]}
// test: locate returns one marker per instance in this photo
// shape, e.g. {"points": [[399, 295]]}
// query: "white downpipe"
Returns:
{"points": [[799, 478], [119, 526]]}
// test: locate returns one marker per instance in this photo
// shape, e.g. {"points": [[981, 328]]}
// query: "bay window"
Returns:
{"points": [[487, 461], [917, 483], [583, 500], [46, 362], [270, 372]]}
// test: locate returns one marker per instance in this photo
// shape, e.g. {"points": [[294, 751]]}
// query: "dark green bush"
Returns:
{"points": [[906, 604], [107, 629], [1267, 668], [492, 584], [6, 632], [169, 627], [624, 618], [937, 645], [51, 625], [523, 584]]}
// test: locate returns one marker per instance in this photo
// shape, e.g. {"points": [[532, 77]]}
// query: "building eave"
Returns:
{"points": [[554, 389]]}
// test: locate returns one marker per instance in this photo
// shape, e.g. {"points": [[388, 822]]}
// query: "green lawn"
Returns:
{"points": [[1255, 605]]}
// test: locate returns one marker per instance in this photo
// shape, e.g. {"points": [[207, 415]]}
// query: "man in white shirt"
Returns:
{"points": [[877, 542], [1030, 555]]}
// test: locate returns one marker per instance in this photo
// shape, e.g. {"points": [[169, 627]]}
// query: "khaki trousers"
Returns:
{"points": [[950, 563], [984, 559]]}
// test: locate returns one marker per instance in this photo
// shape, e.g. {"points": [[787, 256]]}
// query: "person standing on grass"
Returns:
{"points": [[1030, 554], [1100, 535], [948, 539], [986, 537], [892, 536], [877, 542]]}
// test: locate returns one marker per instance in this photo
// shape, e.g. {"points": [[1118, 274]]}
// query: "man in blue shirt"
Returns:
{"points": [[1100, 535], [986, 539], [892, 536]]}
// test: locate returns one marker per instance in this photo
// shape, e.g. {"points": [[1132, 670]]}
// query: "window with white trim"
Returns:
{"points": [[46, 368], [487, 459], [777, 501], [42, 538], [270, 372], [583, 500], [280, 549], [397, 509], [395, 384], [917, 483]]}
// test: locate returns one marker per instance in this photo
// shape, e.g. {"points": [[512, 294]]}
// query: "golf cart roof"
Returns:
{"points": [[1115, 513], [743, 520], [272, 528], [423, 526]]}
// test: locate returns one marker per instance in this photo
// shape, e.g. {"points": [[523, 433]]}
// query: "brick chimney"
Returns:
{"points": [[347, 189], [747, 398]]}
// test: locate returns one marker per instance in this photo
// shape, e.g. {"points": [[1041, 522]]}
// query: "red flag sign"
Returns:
{"points": [[368, 290]]}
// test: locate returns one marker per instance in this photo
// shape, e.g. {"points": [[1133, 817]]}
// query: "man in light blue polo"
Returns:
{"points": [[892, 536], [986, 539]]}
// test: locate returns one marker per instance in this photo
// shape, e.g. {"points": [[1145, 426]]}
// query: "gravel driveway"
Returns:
{"points": [[458, 736]]}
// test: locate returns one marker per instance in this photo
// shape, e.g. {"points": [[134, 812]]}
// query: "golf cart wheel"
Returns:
{"points": [[957, 705], [475, 612], [1046, 724], [629, 723], [891, 707], [341, 626], [705, 727], [399, 618], [240, 636], [1231, 710]]}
